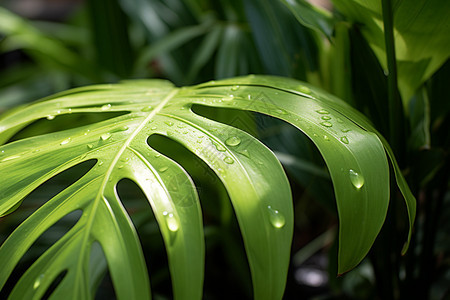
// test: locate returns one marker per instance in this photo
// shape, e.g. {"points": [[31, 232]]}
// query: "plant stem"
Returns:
{"points": [[395, 124]]}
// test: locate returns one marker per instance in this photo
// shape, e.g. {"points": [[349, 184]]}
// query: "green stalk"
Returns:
{"points": [[395, 123]]}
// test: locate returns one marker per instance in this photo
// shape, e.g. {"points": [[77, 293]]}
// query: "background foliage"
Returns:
{"points": [[340, 48]]}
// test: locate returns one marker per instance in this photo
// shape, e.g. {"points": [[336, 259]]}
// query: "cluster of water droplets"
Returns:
{"points": [[326, 122]]}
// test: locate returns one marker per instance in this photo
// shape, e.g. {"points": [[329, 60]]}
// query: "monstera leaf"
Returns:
{"points": [[251, 174]]}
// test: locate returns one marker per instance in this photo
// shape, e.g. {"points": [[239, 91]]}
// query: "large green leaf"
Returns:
{"points": [[421, 36], [253, 177]]}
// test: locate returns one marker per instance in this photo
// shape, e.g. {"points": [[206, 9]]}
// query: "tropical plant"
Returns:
{"points": [[254, 179], [389, 59]]}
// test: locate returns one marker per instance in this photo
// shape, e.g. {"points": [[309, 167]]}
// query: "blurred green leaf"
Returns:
{"points": [[48, 51], [311, 16], [421, 36]]}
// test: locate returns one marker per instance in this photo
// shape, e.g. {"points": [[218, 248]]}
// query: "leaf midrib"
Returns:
{"points": [[116, 158]]}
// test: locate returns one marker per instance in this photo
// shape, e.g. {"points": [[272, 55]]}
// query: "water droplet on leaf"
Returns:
{"points": [[228, 160], [326, 138], [66, 141], [344, 139], [323, 111], [105, 136], [171, 221], [219, 147], [356, 179], [281, 111], [304, 89], [233, 141], [10, 158], [38, 281], [276, 218], [106, 107], [163, 169], [326, 118], [234, 87], [89, 146], [50, 117], [169, 123], [326, 124], [245, 153]]}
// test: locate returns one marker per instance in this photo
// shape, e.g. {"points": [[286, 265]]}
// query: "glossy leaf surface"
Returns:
{"points": [[250, 172]]}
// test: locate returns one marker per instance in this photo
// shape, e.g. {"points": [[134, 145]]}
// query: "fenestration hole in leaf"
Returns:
{"points": [[44, 242], [224, 252], [62, 122], [54, 284], [152, 243], [43, 193], [100, 279]]}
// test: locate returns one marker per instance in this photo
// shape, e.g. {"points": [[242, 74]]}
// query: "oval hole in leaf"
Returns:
{"points": [[152, 243], [62, 122], [43, 193], [45, 241], [226, 260], [54, 284]]}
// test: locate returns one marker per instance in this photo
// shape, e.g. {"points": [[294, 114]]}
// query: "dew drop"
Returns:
{"points": [[163, 169], [219, 147], [38, 281], [100, 163], [233, 141], [157, 155], [125, 159], [35, 150], [281, 111], [171, 221], [90, 146], [153, 128], [122, 128], [106, 107], [147, 108], [276, 218], [228, 160], [10, 158], [339, 120], [231, 97], [181, 125], [50, 117], [234, 87], [345, 130], [326, 118], [326, 138], [323, 111], [169, 123], [245, 153], [120, 167], [249, 97], [344, 139], [66, 141], [304, 89], [105, 136], [326, 124], [356, 179]]}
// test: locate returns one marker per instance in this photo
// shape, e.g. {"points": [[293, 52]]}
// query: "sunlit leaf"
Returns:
{"points": [[250, 172]]}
